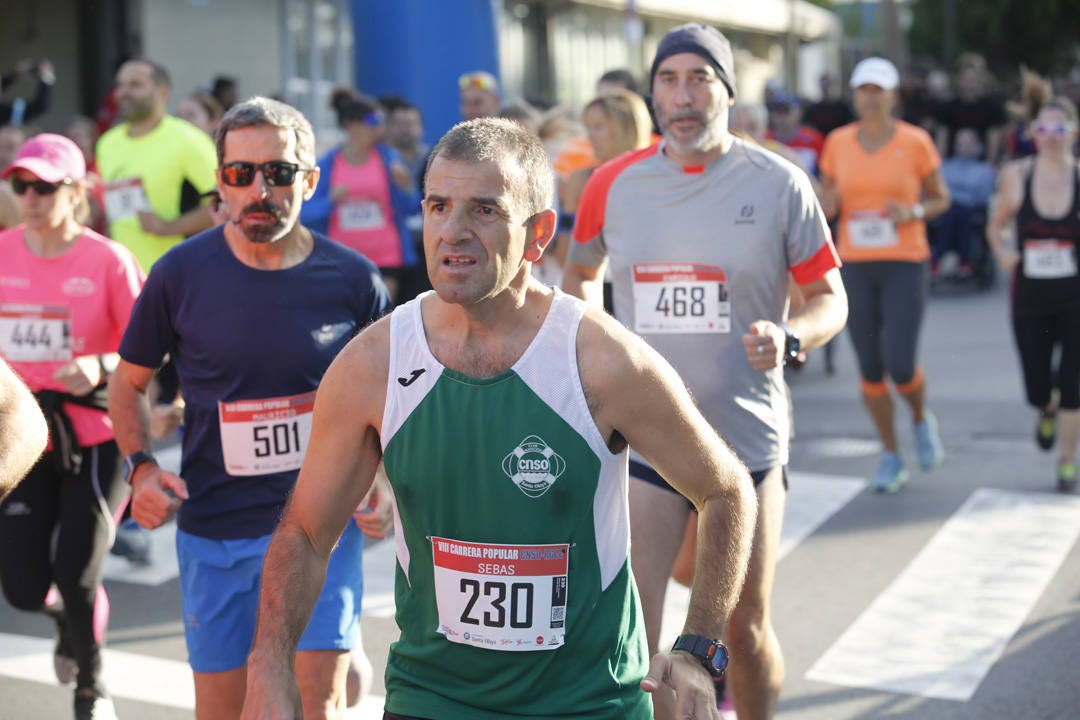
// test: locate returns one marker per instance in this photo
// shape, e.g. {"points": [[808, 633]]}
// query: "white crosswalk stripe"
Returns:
{"points": [[969, 590], [133, 677], [941, 625]]}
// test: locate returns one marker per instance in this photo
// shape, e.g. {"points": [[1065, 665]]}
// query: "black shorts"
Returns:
{"points": [[641, 471]]}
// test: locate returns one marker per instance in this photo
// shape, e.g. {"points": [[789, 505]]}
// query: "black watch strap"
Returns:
{"points": [[712, 653], [792, 344], [134, 460]]}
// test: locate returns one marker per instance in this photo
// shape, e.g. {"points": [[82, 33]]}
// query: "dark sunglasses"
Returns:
{"points": [[278, 173], [41, 187]]}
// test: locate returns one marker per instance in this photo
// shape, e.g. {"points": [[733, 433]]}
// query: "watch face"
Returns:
{"points": [[719, 660]]}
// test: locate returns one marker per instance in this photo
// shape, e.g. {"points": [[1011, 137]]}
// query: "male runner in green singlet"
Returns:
{"points": [[502, 410]]}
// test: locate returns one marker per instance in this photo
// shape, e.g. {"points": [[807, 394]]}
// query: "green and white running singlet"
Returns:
{"points": [[513, 588]]}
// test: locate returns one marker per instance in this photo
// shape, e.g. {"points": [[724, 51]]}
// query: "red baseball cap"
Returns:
{"points": [[52, 158]]}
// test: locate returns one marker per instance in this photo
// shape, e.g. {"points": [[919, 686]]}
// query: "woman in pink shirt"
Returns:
{"points": [[365, 192], [66, 293]]}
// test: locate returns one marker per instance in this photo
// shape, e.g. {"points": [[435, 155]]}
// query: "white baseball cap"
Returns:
{"points": [[875, 71]]}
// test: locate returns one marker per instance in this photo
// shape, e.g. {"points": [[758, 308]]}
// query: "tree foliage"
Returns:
{"points": [[1041, 34]]}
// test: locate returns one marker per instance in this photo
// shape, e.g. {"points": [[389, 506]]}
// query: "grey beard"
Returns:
{"points": [[711, 137]]}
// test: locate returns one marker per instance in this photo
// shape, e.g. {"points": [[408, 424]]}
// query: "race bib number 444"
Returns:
{"points": [[265, 436], [680, 298], [35, 333], [501, 597]]}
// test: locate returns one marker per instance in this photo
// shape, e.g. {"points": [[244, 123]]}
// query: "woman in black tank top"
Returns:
{"points": [[1042, 196]]}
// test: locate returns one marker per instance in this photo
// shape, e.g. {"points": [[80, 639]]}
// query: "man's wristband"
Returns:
{"points": [[134, 460]]}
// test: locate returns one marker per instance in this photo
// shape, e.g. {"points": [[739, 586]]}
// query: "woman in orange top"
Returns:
{"points": [[615, 123], [882, 176]]}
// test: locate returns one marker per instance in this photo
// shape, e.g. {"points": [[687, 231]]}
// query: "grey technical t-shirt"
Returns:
{"points": [[697, 255]]}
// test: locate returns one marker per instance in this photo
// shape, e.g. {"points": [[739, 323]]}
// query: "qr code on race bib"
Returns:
{"points": [[558, 615]]}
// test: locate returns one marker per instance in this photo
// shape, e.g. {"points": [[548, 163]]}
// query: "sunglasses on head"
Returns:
{"points": [[277, 173], [1057, 129], [40, 187], [482, 81]]}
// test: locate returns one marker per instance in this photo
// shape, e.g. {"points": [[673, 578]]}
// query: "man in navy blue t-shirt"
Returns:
{"points": [[252, 312]]}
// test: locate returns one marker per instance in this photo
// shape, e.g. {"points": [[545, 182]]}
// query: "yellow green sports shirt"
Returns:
{"points": [[151, 172]]}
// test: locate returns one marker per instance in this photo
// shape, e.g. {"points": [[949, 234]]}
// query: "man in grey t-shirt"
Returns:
{"points": [[702, 232]]}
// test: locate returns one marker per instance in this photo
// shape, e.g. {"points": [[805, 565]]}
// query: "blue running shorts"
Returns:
{"points": [[219, 596]]}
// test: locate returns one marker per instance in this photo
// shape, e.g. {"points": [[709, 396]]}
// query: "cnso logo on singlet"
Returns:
{"points": [[533, 466]]}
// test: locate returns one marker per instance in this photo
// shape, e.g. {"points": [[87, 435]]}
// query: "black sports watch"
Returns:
{"points": [[134, 460], [792, 344], [712, 653]]}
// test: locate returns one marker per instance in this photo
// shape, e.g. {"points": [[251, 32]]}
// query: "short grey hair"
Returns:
{"points": [[504, 142], [273, 113]]}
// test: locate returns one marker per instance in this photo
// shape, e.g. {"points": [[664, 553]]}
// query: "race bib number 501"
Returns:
{"points": [[265, 436], [501, 597], [680, 298]]}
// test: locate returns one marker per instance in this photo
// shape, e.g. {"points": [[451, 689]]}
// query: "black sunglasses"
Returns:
{"points": [[278, 173], [41, 187]]}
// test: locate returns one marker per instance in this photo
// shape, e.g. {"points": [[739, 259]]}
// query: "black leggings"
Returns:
{"points": [[1036, 335], [885, 311], [79, 511]]}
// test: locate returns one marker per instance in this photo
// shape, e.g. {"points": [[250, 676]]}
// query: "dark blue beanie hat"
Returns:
{"points": [[703, 40]]}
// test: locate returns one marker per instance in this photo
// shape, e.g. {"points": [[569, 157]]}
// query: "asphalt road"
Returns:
{"points": [[957, 598]]}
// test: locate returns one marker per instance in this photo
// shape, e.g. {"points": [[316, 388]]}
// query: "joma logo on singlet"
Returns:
{"points": [[533, 466]]}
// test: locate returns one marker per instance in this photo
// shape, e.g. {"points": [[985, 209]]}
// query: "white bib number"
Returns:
{"points": [[1049, 259], [869, 229], [265, 436], [501, 597], [35, 333], [125, 198], [680, 298], [360, 215]]}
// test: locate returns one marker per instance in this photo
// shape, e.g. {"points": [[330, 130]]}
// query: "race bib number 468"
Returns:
{"points": [[265, 436], [680, 298], [501, 597]]}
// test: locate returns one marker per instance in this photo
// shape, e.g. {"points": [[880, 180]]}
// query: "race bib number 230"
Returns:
{"points": [[501, 597]]}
